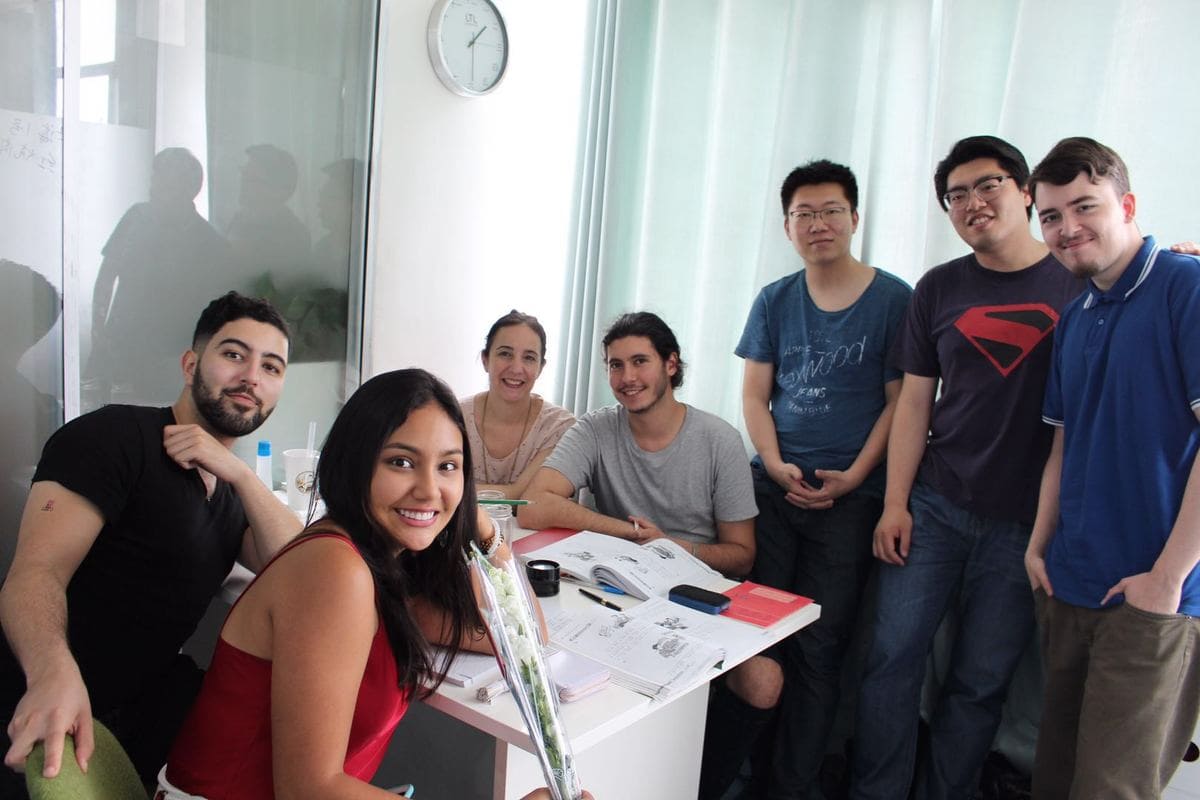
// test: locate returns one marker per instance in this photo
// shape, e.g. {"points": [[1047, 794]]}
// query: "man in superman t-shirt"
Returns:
{"points": [[963, 470]]}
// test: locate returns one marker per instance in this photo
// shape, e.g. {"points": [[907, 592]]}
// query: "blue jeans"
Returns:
{"points": [[977, 563]]}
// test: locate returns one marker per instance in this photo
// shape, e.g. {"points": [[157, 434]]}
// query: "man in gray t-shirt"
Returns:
{"points": [[656, 466]]}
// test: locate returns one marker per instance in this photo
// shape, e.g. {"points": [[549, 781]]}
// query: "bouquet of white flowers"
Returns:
{"points": [[507, 612]]}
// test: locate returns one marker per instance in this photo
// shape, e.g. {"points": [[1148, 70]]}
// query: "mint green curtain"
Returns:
{"points": [[699, 108]]}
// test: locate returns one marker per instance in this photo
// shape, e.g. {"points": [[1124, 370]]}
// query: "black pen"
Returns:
{"points": [[600, 600]]}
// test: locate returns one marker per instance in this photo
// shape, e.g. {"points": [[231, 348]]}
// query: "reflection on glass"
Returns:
{"points": [[31, 190], [339, 204], [266, 234], [317, 307], [30, 309], [215, 142], [97, 32], [93, 99], [159, 264], [234, 143]]}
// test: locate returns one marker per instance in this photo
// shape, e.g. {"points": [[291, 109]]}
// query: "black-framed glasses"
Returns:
{"points": [[984, 189], [829, 216]]}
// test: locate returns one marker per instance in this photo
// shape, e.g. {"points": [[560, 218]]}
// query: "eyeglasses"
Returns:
{"points": [[984, 189], [829, 216]]}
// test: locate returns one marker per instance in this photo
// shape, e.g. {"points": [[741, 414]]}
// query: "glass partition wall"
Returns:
{"points": [[153, 155]]}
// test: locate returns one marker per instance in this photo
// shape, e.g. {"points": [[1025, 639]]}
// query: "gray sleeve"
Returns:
{"points": [[733, 494], [576, 454]]}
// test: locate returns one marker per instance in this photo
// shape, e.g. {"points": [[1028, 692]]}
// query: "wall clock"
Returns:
{"points": [[468, 45]]}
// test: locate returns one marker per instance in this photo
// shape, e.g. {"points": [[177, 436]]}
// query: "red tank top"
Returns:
{"points": [[223, 751]]}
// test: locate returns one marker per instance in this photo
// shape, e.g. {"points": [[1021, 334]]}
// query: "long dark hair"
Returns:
{"points": [[438, 573]]}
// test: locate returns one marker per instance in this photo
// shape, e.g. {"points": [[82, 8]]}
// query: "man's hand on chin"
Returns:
{"points": [[191, 446]]}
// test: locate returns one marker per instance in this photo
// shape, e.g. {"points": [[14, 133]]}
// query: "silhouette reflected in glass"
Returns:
{"points": [[339, 204], [311, 296], [265, 233], [161, 257]]}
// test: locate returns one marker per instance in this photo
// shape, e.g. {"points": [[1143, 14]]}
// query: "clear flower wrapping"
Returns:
{"points": [[507, 610]]}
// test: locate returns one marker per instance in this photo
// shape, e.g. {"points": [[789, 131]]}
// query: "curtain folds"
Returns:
{"points": [[579, 334], [698, 109]]}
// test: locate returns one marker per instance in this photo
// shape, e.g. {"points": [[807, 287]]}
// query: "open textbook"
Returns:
{"points": [[657, 647], [646, 570]]}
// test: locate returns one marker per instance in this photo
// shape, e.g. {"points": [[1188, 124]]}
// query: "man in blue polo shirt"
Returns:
{"points": [[1114, 548]]}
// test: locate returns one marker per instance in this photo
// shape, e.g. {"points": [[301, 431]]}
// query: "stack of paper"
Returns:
{"points": [[648, 570], [575, 676], [470, 669]]}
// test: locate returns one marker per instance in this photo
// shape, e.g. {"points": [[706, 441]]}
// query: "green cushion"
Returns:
{"points": [[110, 774]]}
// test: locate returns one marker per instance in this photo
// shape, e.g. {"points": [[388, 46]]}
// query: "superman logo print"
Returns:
{"points": [[1007, 334]]}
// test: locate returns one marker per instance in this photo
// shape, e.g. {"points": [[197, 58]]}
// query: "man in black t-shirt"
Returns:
{"points": [[134, 518], [963, 469]]}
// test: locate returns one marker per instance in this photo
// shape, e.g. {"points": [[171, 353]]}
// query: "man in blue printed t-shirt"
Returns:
{"points": [[817, 396], [1114, 549]]}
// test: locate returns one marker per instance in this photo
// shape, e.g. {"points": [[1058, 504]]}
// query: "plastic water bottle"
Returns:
{"points": [[263, 465], [499, 513]]}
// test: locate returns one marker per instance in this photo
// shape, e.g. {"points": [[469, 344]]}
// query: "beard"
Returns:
{"points": [[221, 418], [656, 391]]}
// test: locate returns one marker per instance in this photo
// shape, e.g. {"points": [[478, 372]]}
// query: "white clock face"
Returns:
{"points": [[468, 45]]}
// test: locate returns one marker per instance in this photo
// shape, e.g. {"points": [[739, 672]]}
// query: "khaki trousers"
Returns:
{"points": [[1122, 695]]}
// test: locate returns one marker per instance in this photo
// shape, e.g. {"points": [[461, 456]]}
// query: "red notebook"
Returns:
{"points": [[761, 605], [543, 538]]}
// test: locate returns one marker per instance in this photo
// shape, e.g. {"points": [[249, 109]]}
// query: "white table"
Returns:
{"points": [[625, 744]]}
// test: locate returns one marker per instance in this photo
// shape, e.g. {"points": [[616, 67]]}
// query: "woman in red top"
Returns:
{"points": [[317, 660]]}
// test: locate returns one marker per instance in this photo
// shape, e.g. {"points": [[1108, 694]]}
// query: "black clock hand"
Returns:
{"points": [[471, 45]]}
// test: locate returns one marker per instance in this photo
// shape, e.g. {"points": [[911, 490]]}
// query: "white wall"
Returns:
{"points": [[471, 198]]}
